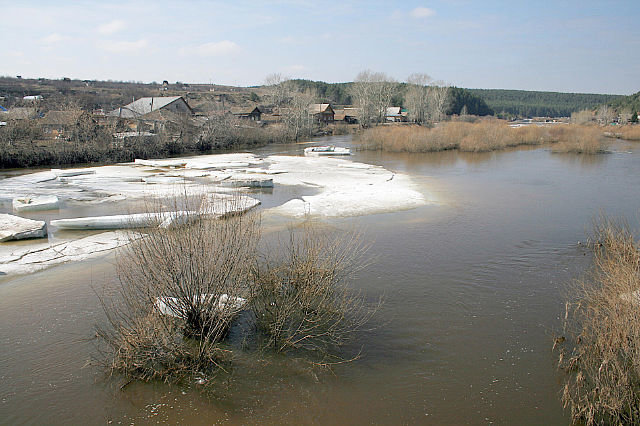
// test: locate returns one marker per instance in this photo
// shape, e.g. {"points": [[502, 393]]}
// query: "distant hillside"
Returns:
{"points": [[629, 103], [525, 103]]}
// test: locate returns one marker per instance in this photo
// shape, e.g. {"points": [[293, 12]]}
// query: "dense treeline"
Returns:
{"points": [[340, 94], [523, 103], [629, 103]]}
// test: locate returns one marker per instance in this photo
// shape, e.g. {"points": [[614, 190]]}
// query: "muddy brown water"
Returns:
{"points": [[473, 290]]}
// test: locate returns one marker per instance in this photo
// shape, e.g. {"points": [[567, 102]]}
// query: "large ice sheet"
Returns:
{"points": [[31, 259], [346, 188], [340, 187]]}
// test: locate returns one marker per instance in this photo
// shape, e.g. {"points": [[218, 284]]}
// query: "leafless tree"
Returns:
{"points": [[438, 100], [416, 98], [279, 89], [371, 93], [605, 114], [625, 116], [296, 116]]}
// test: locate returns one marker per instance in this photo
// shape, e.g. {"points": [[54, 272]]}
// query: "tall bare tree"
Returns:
{"points": [[417, 97], [297, 116], [438, 100], [371, 93], [279, 88]]}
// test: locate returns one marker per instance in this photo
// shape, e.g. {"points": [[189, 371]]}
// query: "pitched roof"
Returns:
{"points": [[394, 111], [144, 106], [244, 110], [320, 108]]}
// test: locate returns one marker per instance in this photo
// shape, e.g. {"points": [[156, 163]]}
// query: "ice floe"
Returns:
{"points": [[24, 260], [18, 228], [337, 187]]}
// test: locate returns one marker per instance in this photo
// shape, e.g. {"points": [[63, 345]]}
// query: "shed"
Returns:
{"points": [[247, 113], [322, 112]]}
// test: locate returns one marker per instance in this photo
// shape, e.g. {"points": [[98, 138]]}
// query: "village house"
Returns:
{"points": [[351, 115], [58, 124], [152, 113], [322, 112], [143, 106], [247, 113], [396, 115]]}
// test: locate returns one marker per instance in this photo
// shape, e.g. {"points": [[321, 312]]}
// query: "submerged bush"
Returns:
{"points": [[301, 300], [182, 287], [601, 354]]}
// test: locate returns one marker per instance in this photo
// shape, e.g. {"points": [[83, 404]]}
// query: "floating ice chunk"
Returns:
{"points": [[175, 307], [72, 172], [264, 171], [33, 259], [250, 183], [152, 180], [36, 203], [120, 221], [18, 228], [159, 163]]}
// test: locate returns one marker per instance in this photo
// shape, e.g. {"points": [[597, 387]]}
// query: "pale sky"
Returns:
{"points": [[567, 46]]}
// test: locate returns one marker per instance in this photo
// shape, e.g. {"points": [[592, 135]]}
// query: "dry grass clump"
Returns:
{"points": [[630, 133], [581, 140], [601, 356], [303, 302], [183, 286]]}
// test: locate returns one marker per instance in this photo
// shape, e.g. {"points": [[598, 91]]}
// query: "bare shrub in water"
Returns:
{"points": [[601, 356], [302, 301], [180, 287], [582, 140]]}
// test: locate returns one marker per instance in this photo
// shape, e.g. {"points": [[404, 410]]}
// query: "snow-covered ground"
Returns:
{"points": [[340, 187]]}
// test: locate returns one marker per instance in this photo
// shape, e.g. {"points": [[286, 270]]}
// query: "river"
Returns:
{"points": [[473, 290]]}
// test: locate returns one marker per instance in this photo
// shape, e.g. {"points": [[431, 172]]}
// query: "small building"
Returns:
{"points": [[32, 98], [57, 124], [143, 106], [396, 115], [351, 115], [322, 112], [247, 113]]}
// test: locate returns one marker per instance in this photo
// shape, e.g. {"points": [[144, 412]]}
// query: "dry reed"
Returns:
{"points": [[630, 133], [601, 356], [482, 136]]}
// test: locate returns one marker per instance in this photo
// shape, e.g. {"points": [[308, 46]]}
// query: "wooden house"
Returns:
{"points": [[144, 106], [247, 113], [322, 112]]}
